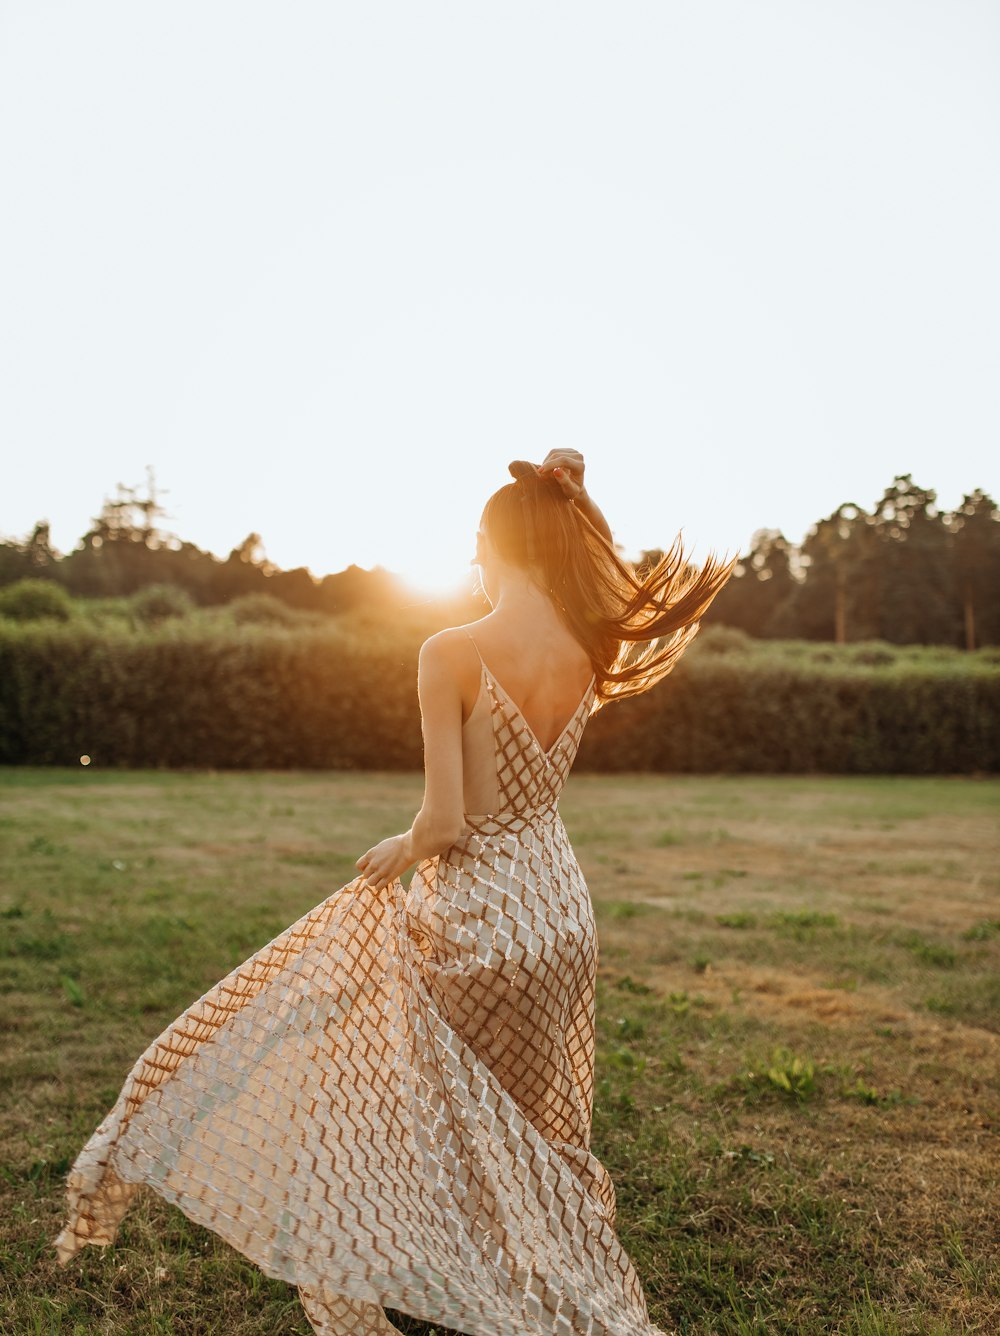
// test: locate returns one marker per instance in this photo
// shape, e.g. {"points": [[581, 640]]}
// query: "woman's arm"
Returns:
{"points": [[441, 818], [568, 467]]}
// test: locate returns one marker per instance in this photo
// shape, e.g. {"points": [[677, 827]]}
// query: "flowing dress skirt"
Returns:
{"points": [[390, 1104]]}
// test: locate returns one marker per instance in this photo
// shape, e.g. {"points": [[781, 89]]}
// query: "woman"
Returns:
{"points": [[390, 1104]]}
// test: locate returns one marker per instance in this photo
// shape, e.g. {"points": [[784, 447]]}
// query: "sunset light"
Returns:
{"points": [[673, 327], [437, 574]]}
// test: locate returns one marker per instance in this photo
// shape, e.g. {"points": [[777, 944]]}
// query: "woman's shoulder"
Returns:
{"points": [[454, 651], [451, 656], [453, 644]]}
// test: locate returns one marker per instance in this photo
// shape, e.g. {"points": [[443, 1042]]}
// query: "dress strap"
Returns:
{"points": [[478, 651]]}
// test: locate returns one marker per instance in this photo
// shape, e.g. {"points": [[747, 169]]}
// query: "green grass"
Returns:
{"points": [[798, 1087]]}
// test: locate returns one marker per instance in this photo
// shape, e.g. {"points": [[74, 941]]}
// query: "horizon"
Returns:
{"points": [[164, 531]]}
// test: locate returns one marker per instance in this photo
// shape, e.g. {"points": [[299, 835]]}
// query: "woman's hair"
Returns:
{"points": [[634, 625]]}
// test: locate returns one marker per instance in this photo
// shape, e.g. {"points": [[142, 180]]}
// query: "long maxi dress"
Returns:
{"points": [[390, 1103]]}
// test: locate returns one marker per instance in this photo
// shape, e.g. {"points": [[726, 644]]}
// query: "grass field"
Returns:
{"points": [[799, 1081]]}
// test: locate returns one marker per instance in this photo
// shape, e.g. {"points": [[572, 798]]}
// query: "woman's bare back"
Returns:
{"points": [[535, 660]]}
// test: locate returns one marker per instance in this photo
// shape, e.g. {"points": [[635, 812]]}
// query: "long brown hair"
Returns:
{"points": [[634, 626]]}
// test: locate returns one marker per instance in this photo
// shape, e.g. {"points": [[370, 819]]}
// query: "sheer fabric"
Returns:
{"points": [[390, 1103]]}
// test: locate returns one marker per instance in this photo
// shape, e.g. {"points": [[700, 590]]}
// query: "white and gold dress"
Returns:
{"points": [[390, 1103]]}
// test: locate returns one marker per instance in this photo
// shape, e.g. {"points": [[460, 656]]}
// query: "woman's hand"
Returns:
{"points": [[385, 861], [567, 467]]}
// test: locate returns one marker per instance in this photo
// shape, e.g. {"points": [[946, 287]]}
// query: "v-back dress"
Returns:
{"points": [[390, 1103]]}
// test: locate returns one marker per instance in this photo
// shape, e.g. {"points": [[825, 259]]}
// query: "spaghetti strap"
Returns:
{"points": [[476, 648]]}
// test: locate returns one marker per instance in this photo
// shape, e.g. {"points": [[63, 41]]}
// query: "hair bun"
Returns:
{"points": [[521, 469]]}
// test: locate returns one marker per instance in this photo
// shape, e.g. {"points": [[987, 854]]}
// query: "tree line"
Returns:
{"points": [[127, 549], [905, 571]]}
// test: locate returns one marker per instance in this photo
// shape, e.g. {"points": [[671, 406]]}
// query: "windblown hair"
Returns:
{"points": [[634, 625]]}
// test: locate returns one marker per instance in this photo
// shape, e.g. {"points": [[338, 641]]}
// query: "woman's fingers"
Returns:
{"points": [[566, 459], [383, 863], [368, 868], [567, 467], [570, 483], [571, 486], [376, 876], [373, 878]]}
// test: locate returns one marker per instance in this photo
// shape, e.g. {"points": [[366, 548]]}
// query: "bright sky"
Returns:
{"points": [[328, 267]]}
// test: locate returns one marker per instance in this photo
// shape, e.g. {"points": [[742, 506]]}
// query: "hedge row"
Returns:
{"points": [[267, 698]]}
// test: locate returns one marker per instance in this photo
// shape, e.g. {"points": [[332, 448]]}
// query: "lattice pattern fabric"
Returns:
{"points": [[390, 1103]]}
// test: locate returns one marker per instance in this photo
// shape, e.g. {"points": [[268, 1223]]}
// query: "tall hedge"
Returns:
{"points": [[721, 716], [264, 697]]}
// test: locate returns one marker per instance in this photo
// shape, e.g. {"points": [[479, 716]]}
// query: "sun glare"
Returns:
{"points": [[431, 560], [436, 575]]}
